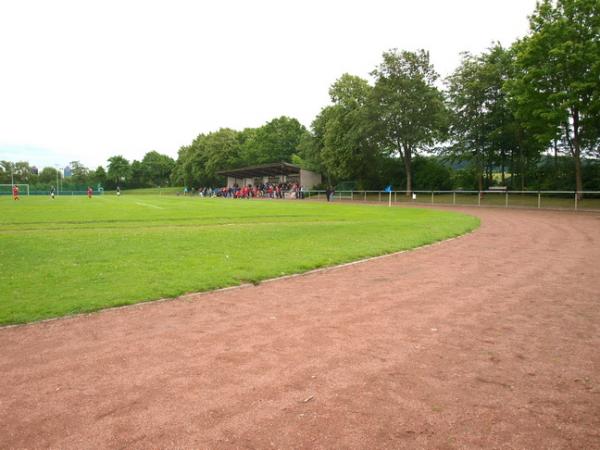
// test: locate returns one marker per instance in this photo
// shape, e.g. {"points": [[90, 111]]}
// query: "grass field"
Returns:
{"points": [[76, 255]]}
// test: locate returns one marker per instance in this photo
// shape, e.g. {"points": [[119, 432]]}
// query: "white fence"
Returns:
{"points": [[569, 200]]}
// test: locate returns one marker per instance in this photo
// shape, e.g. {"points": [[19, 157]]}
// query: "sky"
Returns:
{"points": [[86, 80]]}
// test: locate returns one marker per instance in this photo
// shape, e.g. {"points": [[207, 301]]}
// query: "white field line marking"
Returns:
{"points": [[148, 205]]}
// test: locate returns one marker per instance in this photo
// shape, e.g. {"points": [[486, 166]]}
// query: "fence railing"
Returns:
{"points": [[565, 200]]}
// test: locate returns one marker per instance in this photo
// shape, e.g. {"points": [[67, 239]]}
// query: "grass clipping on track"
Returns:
{"points": [[74, 254]]}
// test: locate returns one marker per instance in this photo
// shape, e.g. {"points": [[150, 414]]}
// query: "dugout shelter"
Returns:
{"points": [[274, 173]]}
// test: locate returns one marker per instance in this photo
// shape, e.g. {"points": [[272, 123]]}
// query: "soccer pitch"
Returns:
{"points": [[74, 254]]}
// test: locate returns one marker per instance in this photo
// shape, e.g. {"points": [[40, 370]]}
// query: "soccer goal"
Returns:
{"points": [[6, 189]]}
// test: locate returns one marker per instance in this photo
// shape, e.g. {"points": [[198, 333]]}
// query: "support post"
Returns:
{"points": [[453, 197], [379, 196], [390, 201], [506, 200], [539, 200]]}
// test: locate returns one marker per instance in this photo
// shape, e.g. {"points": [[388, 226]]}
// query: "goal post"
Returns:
{"points": [[6, 189]]}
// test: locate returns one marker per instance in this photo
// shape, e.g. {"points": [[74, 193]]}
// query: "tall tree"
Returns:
{"points": [[408, 107], [276, 141], [79, 173], [119, 170], [348, 152], [557, 86], [157, 168]]}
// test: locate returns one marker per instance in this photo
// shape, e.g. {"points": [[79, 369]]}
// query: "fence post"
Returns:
{"points": [[454, 197], [395, 197], [432, 197], [380, 196], [390, 201], [539, 200], [479, 199], [352, 195], [575, 200], [365, 196], [506, 200]]}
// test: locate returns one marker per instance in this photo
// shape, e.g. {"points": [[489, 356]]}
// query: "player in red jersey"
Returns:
{"points": [[15, 192], [90, 191]]}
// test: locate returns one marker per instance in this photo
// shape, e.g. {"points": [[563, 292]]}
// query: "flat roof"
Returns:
{"points": [[264, 170]]}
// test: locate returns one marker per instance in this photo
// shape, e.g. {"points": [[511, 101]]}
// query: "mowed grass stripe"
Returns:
{"points": [[80, 255]]}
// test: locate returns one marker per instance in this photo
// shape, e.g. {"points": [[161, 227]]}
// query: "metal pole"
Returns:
{"points": [[390, 202], [380, 196], [12, 175], [539, 200], [506, 200], [575, 200], [352, 195], [454, 198], [432, 197], [395, 197], [479, 199]]}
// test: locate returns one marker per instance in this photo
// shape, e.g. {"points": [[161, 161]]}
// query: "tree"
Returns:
{"points": [[348, 152], [556, 87], [198, 163], [409, 109], [119, 170], [49, 175], [98, 176], [276, 141], [79, 173], [157, 168]]}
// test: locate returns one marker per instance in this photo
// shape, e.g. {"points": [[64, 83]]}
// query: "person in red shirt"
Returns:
{"points": [[15, 192], [90, 191]]}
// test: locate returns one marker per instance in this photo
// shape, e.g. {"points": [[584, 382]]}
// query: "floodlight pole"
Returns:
{"points": [[12, 174]]}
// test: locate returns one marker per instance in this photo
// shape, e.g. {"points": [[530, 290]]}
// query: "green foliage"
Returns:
{"points": [[276, 141], [119, 171], [408, 110], [84, 255], [347, 151], [431, 173], [555, 87]]}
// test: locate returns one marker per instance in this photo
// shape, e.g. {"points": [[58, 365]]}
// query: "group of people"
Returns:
{"points": [[263, 190]]}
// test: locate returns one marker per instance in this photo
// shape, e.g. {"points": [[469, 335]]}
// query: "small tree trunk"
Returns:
{"points": [[407, 169], [502, 162], [577, 154]]}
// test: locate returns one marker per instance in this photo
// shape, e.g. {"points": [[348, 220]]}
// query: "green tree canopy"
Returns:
{"points": [[408, 107], [556, 86]]}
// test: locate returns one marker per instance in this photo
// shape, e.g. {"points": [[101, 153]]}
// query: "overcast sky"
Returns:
{"points": [[85, 80]]}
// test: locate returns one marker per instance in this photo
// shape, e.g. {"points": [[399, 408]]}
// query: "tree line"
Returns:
{"points": [[526, 117]]}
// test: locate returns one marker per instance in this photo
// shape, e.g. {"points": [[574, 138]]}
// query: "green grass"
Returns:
{"points": [[75, 255], [150, 191]]}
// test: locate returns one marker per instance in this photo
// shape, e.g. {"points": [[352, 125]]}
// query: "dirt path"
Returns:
{"points": [[487, 341]]}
